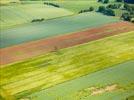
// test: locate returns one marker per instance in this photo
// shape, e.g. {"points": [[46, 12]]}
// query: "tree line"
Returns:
{"points": [[128, 15], [51, 4]]}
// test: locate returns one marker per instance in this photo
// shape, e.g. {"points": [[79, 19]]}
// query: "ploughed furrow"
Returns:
{"points": [[53, 68], [31, 49]]}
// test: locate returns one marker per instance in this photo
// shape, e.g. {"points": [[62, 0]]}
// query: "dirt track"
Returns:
{"points": [[35, 48]]}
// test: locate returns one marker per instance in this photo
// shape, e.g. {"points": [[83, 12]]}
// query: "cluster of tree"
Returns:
{"points": [[38, 20], [103, 1], [119, 0], [129, 1], [13, 2], [106, 11], [129, 15], [129, 8], [114, 6], [51, 4], [87, 10]]}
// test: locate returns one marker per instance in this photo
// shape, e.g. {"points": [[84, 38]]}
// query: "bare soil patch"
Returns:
{"points": [[105, 89]]}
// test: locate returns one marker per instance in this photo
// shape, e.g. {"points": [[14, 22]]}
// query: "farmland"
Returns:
{"points": [[47, 70], [55, 27], [8, 1], [19, 14], [82, 87], [77, 5], [66, 50], [35, 48]]}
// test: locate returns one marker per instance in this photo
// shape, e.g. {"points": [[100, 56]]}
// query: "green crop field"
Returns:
{"points": [[77, 5], [80, 88], [8, 1], [12, 15], [101, 69], [35, 31], [22, 11], [26, 77]]}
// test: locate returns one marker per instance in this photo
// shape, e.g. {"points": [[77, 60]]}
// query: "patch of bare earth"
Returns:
{"points": [[106, 89], [36, 48]]}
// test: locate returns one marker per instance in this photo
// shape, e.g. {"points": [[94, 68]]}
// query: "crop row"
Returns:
{"points": [[53, 68]]}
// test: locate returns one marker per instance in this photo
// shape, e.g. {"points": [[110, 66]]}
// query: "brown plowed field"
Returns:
{"points": [[35, 48]]}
